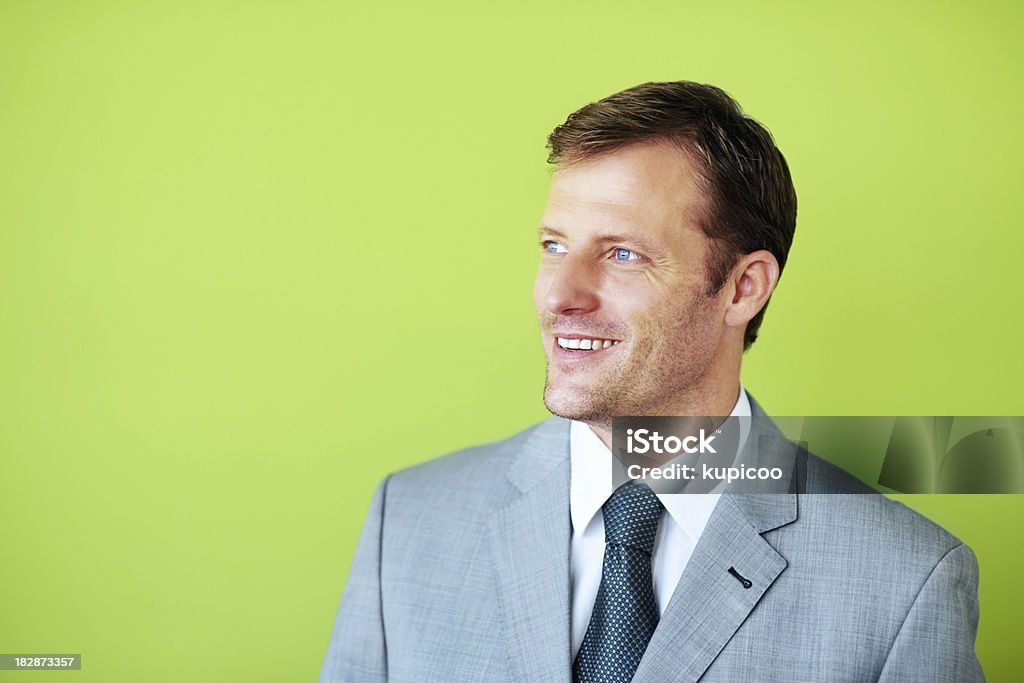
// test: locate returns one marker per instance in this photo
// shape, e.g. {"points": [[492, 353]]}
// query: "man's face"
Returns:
{"points": [[623, 278]]}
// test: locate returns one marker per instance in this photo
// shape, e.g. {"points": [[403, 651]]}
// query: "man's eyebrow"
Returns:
{"points": [[619, 237], [630, 238], [544, 231]]}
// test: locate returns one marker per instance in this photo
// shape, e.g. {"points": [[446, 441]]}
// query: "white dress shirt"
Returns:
{"points": [[678, 531]]}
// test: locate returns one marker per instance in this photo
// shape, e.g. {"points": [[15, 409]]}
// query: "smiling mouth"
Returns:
{"points": [[585, 344]]}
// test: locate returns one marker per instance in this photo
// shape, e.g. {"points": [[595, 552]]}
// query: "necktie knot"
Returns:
{"points": [[631, 517]]}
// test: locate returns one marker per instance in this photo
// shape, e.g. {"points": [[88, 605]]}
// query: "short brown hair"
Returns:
{"points": [[751, 201]]}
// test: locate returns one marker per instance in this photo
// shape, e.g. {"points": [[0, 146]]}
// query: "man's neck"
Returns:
{"points": [[720, 404]]}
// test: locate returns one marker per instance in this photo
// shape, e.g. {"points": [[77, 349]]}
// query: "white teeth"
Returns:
{"points": [[585, 344]]}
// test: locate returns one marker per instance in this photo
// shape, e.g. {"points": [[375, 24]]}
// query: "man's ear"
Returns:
{"points": [[752, 281]]}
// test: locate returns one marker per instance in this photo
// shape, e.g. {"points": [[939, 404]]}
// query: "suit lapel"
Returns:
{"points": [[709, 603], [530, 537], [530, 541]]}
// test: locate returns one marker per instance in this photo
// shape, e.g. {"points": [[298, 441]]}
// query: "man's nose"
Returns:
{"points": [[574, 286]]}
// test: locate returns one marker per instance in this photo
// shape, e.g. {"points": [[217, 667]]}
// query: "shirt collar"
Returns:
{"points": [[591, 482]]}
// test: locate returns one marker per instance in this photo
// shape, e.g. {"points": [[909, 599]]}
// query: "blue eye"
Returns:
{"points": [[626, 255], [553, 247]]}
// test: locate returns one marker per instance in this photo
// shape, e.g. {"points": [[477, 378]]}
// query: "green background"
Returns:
{"points": [[255, 256]]}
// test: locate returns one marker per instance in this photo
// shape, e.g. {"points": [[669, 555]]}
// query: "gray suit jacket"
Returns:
{"points": [[462, 574]]}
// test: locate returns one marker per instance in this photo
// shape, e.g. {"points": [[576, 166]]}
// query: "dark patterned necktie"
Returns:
{"points": [[625, 612]]}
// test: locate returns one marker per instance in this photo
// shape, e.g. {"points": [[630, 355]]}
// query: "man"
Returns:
{"points": [[668, 223]]}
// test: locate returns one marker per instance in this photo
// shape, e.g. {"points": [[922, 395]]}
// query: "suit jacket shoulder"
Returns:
{"points": [[475, 481], [869, 517]]}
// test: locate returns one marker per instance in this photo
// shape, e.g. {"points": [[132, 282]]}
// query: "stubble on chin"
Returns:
{"points": [[626, 387], [594, 405]]}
